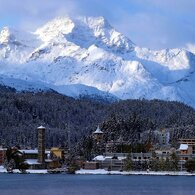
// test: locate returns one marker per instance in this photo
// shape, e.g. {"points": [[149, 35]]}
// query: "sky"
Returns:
{"points": [[155, 24]]}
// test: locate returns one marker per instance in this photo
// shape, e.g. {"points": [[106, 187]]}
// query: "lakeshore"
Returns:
{"points": [[105, 172], [159, 173], [32, 171]]}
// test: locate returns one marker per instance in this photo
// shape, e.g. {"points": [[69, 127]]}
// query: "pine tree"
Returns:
{"points": [[128, 163]]}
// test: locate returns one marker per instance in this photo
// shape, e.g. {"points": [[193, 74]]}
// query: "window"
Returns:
{"points": [[193, 149]]}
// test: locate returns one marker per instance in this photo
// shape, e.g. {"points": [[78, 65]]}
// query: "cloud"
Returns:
{"points": [[33, 13]]}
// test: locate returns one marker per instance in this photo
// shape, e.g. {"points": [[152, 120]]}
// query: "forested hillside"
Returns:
{"points": [[22, 113]]}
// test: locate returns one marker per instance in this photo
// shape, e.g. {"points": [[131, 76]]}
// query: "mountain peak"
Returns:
{"points": [[55, 28], [89, 51], [6, 35], [84, 31]]}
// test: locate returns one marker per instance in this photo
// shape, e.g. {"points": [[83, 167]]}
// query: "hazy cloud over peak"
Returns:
{"points": [[149, 23]]}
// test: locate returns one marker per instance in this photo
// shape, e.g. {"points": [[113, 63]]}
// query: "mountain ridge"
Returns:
{"points": [[88, 51]]}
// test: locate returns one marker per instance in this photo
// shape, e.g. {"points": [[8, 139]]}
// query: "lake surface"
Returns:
{"points": [[57, 184]]}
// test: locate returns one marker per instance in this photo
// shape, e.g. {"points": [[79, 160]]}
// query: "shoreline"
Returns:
{"points": [[28, 171], [151, 173], [105, 172]]}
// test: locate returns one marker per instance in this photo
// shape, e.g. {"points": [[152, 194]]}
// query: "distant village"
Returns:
{"points": [[56, 160]]}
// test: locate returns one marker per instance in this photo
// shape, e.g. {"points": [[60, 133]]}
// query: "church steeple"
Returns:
{"points": [[98, 134]]}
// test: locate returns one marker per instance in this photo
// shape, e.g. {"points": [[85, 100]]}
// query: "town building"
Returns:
{"points": [[186, 149], [164, 137], [39, 158], [164, 152], [98, 135], [57, 153], [91, 165], [2, 155], [115, 161], [31, 157]]}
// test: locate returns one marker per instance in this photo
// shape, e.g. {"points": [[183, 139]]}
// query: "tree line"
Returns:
{"points": [[70, 121]]}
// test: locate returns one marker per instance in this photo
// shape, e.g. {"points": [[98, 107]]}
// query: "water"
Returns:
{"points": [[35, 184]]}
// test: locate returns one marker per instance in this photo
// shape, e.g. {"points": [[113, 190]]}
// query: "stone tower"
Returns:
{"points": [[98, 135], [41, 144]]}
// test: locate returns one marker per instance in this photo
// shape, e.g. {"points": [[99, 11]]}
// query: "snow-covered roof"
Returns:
{"points": [[122, 157], [48, 160], [35, 161], [183, 147], [33, 151], [32, 161], [100, 158], [41, 127], [98, 130]]}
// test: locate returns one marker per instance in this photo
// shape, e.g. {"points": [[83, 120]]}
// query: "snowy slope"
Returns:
{"points": [[86, 55], [74, 90]]}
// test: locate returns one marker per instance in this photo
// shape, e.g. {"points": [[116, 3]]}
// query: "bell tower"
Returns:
{"points": [[41, 144], [98, 135]]}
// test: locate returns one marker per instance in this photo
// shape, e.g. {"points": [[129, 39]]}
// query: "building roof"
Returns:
{"points": [[98, 131], [183, 147], [41, 127], [33, 151], [56, 148], [100, 158], [3, 149], [35, 161], [32, 161]]}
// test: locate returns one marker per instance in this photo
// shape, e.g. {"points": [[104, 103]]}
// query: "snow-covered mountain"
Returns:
{"points": [[87, 56]]}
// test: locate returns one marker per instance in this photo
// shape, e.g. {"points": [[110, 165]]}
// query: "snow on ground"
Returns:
{"points": [[43, 171], [104, 172]]}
